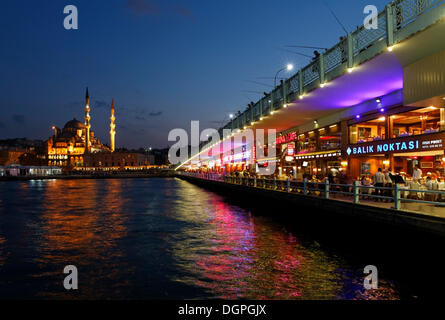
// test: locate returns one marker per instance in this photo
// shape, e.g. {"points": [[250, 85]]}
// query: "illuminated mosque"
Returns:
{"points": [[76, 141]]}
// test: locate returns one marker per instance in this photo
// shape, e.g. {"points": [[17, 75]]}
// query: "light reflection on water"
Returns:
{"points": [[159, 238]]}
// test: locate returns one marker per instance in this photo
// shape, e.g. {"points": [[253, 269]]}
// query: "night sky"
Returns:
{"points": [[164, 62]]}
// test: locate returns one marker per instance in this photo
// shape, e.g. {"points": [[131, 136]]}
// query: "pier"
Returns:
{"points": [[358, 132], [347, 201]]}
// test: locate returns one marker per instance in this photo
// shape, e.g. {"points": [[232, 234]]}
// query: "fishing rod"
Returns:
{"points": [[259, 83], [335, 16], [295, 52], [307, 47]]}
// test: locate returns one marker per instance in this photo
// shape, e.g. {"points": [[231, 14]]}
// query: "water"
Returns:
{"points": [[161, 239]]}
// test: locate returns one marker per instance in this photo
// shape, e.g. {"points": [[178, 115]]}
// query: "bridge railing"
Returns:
{"points": [[357, 47], [406, 11], [355, 192]]}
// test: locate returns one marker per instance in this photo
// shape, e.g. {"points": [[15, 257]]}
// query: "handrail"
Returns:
{"points": [[397, 15], [324, 189]]}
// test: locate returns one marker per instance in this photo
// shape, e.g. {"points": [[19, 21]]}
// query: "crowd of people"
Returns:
{"points": [[378, 186]]}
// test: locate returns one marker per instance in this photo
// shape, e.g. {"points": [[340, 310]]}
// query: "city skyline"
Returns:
{"points": [[161, 78], [213, 156]]}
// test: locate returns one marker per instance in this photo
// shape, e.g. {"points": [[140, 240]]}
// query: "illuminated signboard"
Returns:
{"points": [[57, 156], [237, 157], [286, 138], [400, 145], [290, 150], [254, 153]]}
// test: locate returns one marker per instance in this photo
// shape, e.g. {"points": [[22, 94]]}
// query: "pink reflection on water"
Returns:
{"points": [[249, 259]]}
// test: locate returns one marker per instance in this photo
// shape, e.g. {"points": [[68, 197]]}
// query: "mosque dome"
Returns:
{"points": [[74, 124]]}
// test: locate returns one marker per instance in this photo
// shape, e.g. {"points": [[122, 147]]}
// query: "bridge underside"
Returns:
{"points": [[390, 71]]}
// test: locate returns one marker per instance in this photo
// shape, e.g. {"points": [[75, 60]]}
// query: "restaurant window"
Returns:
{"points": [[330, 138], [415, 122], [287, 149], [307, 142], [368, 131]]}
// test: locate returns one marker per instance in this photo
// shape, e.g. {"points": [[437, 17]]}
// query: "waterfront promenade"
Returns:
{"points": [[395, 207], [95, 175], [379, 106]]}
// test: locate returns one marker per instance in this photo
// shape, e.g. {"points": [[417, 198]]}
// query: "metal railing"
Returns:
{"points": [[355, 192], [397, 15]]}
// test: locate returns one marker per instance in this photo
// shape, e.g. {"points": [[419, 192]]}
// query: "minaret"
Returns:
{"points": [[87, 122], [112, 127]]}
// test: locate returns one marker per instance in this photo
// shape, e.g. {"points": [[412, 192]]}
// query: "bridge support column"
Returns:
{"points": [[389, 25], [442, 118], [356, 192], [272, 97], [321, 68], [350, 46], [397, 202], [300, 82], [326, 189], [261, 108], [285, 92]]}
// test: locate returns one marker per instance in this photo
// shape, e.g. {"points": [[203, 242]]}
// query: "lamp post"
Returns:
{"points": [[289, 67], [55, 131]]}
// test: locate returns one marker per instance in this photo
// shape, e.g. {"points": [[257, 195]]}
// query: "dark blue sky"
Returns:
{"points": [[165, 62]]}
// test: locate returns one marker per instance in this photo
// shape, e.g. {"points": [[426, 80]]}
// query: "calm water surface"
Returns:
{"points": [[162, 239]]}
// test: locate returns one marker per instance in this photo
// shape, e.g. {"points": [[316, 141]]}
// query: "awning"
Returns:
{"points": [[267, 160], [319, 155], [420, 154]]}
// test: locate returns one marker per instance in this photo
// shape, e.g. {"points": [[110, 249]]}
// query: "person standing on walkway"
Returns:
{"points": [[417, 174], [388, 183], [379, 182]]}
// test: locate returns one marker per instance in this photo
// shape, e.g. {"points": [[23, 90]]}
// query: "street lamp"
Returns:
{"points": [[289, 67], [231, 121], [55, 130]]}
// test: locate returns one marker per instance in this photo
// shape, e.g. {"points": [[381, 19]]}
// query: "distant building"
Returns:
{"points": [[76, 147], [117, 160], [160, 156], [16, 170], [10, 156], [12, 150], [68, 146], [21, 144]]}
